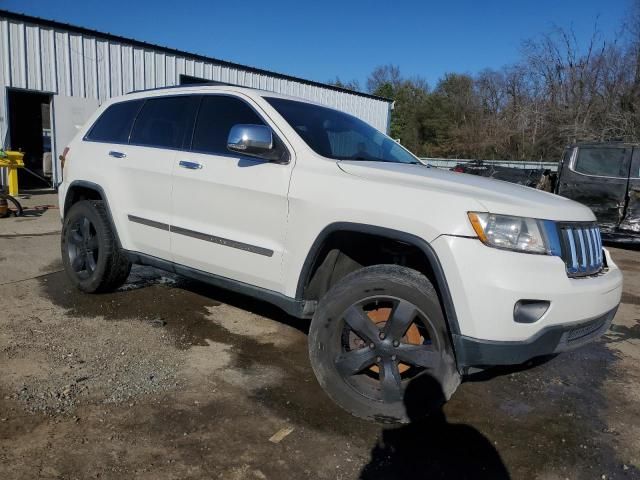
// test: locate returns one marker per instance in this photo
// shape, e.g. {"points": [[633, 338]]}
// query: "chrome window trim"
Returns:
{"points": [[270, 123]]}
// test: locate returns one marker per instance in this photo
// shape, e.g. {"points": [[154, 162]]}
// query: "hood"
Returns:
{"points": [[495, 196]]}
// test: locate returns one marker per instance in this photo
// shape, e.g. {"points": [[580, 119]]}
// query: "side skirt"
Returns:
{"points": [[290, 305]]}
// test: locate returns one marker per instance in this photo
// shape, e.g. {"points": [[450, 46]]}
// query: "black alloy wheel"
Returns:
{"points": [[387, 340], [375, 331], [91, 255], [83, 247]]}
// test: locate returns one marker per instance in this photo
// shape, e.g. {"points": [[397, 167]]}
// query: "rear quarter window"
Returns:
{"points": [[114, 125]]}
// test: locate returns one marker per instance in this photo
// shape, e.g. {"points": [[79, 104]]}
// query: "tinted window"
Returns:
{"points": [[163, 122], [635, 164], [114, 125], [604, 162], [217, 115], [335, 134]]}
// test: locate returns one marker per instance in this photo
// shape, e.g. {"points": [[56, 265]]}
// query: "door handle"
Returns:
{"points": [[115, 154], [190, 165]]}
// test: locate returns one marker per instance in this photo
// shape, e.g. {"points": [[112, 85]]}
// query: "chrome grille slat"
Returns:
{"points": [[583, 253], [574, 258], [587, 234], [581, 248]]}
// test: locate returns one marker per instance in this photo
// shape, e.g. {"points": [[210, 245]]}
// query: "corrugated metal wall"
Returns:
{"points": [[40, 57]]}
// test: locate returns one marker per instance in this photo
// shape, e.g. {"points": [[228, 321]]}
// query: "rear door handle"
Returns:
{"points": [[115, 154], [190, 165]]}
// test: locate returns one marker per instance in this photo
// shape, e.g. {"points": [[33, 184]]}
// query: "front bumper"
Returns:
{"points": [[485, 284], [471, 352]]}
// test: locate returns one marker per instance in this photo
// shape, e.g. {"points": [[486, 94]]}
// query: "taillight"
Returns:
{"points": [[63, 158]]}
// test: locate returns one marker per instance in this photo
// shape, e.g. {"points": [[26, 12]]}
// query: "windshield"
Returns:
{"points": [[335, 134]]}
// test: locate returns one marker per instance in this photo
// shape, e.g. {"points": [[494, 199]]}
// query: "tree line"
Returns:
{"points": [[561, 91]]}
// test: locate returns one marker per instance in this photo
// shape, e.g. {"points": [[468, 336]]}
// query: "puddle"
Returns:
{"points": [[187, 310], [180, 311]]}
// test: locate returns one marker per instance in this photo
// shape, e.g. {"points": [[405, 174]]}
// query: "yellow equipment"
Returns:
{"points": [[12, 161]]}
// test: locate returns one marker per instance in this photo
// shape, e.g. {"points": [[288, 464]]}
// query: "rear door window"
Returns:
{"points": [[114, 125], [165, 122], [602, 162]]}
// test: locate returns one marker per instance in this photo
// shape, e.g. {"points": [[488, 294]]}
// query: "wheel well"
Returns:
{"points": [[77, 193], [343, 252]]}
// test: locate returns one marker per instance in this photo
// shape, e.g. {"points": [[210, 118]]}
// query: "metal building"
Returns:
{"points": [[55, 75]]}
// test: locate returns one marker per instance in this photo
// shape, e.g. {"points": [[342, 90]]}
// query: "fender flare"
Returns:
{"points": [[420, 243], [103, 195]]}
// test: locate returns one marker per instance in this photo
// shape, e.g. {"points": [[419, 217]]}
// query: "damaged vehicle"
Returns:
{"points": [[606, 178], [540, 178], [404, 270]]}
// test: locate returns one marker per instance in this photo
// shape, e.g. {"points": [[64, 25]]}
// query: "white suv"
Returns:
{"points": [[405, 270]]}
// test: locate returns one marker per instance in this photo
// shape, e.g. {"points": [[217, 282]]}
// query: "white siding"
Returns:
{"points": [[54, 60]]}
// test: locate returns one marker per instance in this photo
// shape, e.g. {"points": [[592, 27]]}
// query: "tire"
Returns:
{"points": [[367, 376], [14, 207], [90, 254]]}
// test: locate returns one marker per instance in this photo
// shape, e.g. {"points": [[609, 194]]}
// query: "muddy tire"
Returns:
{"points": [[375, 331], [90, 254]]}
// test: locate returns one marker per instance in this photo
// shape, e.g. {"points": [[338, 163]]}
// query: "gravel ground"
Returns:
{"points": [[169, 378]]}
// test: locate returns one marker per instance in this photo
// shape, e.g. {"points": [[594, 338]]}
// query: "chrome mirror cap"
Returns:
{"points": [[253, 140]]}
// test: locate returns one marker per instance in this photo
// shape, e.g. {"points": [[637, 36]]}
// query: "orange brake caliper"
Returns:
{"points": [[380, 317]]}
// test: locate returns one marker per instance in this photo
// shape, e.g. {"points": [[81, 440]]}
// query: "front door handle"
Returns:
{"points": [[115, 154], [190, 165]]}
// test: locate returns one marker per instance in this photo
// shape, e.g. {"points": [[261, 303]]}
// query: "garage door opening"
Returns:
{"points": [[30, 133], [189, 80]]}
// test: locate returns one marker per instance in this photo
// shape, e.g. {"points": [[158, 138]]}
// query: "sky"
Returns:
{"points": [[322, 40]]}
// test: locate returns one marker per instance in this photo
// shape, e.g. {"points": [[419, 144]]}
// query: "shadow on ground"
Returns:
{"points": [[431, 447]]}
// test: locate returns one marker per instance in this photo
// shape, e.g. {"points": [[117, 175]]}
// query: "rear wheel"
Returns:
{"points": [[90, 254], [374, 332]]}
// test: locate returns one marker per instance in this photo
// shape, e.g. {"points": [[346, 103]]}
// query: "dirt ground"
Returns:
{"points": [[168, 378]]}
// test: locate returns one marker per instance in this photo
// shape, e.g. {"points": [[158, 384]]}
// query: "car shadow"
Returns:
{"points": [[430, 446]]}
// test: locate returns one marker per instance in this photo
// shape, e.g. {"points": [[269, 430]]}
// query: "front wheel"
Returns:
{"points": [[375, 331]]}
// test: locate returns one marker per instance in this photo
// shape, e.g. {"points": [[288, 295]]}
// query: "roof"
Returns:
{"points": [[173, 51], [211, 87]]}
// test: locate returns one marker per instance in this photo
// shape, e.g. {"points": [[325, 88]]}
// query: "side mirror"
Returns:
{"points": [[251, 140]]}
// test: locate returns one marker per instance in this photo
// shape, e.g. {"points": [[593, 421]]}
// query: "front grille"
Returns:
{"points": [[581, 248]]}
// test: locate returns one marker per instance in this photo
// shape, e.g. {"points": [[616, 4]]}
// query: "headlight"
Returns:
{"points": [[511, 233]]}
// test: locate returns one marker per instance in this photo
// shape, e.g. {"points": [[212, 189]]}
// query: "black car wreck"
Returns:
{"points": [[606, 178]]}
